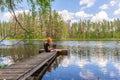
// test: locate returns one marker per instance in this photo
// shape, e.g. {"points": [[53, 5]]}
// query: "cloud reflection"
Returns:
{"points": [[112, 74], [81, 64], [117, 66], [65, 63], [102, 65], [87, 75], [91, 60], [6, 60]]}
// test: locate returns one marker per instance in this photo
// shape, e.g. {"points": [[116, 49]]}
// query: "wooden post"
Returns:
{"points": [[59, 51], [62, 52]]}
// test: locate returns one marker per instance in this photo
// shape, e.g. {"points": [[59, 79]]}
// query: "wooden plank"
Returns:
{"points": [[4, 77], [20, 67], [26, 75], [44, 69], [12, 72], [22, 70], [62, 52], [59, 51], [38, 60], [7, 69]]}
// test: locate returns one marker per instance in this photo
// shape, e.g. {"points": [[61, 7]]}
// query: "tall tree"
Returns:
{"points": [[35, 5]]}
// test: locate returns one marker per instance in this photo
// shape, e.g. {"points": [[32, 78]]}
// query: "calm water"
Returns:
{"points": [[87, 60]]}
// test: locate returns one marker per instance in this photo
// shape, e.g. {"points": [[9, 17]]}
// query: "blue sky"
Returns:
{"points": [[74, 10], [94, 10]]}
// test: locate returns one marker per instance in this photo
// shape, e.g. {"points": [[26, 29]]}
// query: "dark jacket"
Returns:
{"points": [[46, 47]]}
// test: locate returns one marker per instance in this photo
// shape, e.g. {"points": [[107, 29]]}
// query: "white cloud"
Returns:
{"points": [[119, 5], [117, 12], [88, 75], [68, 61], [74, 17], [6, 60], [74, 20], [21, 12], [81, 63], [65, 63], [104, 6], [66, 15], [82, 15], [112, 3], [117, 66], [112, 74], [8, 15], [102, 15], [88, 3]]}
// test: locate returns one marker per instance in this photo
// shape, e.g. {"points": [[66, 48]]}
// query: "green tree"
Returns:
{"points": [[11, 5]]}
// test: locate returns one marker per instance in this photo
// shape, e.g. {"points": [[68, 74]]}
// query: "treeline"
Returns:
{"points": [[96, 30], [39, 26], [34, 27]]}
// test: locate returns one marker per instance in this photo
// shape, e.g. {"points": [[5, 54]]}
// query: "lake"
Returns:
{"points": [[87, 60]]}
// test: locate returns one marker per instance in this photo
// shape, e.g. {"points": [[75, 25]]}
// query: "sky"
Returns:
{"points": [[75, 10], [94, 10]]}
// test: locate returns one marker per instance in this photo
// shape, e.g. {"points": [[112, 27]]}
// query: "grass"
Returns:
{"points": [[3, 66], [76, 39]]}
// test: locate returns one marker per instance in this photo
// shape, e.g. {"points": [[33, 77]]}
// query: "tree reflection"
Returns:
{"points": [[95, 59], [19, 52], [88, 60], [96, 52]]}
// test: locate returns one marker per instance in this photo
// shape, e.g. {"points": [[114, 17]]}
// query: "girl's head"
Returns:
{"points": [[49, 40]]}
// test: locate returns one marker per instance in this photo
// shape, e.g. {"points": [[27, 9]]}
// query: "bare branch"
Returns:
{"points": [[16, 17], [0, 1], [12, 9]]}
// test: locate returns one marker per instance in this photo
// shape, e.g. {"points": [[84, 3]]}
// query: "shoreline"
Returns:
{"points": [[72, 39]]}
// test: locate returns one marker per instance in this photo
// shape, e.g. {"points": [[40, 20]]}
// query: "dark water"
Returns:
{"points": [[87, 60]]}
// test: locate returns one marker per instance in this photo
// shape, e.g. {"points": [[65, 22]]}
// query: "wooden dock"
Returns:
{"points": [[24, 69]]}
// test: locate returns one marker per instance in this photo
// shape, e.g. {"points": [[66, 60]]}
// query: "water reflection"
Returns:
{"points": [[16, 53], [87, 60], [6, 60], [90, 60]]}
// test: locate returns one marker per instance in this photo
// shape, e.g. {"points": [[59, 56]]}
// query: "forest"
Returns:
{"points": [[38, 24]]}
